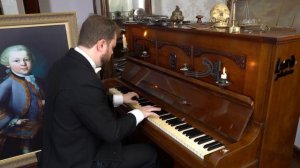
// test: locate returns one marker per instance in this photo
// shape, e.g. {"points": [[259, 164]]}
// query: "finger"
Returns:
{"points": [[134, 94], [134, 102], [152, 108], [153, 114]]}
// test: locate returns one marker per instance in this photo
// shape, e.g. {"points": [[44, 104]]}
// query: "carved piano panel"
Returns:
{"points": [[262, 97], [226, 116]]}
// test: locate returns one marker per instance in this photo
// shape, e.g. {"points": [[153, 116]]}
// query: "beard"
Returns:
{"points": [[105, 59]]}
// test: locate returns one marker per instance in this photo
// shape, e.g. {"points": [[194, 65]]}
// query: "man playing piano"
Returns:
{"points": [[80, 127]]}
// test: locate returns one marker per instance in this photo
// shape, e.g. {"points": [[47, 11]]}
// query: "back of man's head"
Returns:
{"points": [[95, 28]]}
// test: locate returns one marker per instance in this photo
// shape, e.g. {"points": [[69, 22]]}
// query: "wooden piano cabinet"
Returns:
{"points": [[259, 65], [282, 113]]}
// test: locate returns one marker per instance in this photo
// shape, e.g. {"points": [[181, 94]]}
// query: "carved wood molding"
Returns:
{"points": [[240, 60], [186, 49]]}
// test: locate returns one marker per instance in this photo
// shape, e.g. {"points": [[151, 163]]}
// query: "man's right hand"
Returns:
{"points": [[149, 111]]}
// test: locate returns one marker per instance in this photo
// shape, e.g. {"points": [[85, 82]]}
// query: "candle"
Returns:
{"points": [[224, 75], [124, 41]]}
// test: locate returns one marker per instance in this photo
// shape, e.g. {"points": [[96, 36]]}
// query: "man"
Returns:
{"points": [[80, 127]]}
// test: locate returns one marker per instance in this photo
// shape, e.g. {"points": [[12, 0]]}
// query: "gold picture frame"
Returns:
{"points": [[36, 30]]}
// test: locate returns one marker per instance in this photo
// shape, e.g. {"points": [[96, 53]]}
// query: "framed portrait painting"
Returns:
{"points": [[29, 45]]}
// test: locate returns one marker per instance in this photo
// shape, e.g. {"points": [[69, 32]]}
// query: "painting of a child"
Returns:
{"points": [[21, 103]]}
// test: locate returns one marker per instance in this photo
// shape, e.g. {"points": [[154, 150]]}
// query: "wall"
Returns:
{"points": [[83, 8], [190, 9], [269, 12], [125, 5], [10, 7], [276, 12]]}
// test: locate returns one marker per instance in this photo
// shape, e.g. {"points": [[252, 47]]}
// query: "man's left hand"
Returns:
{"points": [[128, 98]]}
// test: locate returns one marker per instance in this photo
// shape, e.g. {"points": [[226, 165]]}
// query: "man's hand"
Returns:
{"points": [[128, 98], [149, 111]]}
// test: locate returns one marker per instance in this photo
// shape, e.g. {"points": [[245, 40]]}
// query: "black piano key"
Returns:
{"points": [[175, 121], [183, 127], [161, 112], [141, 98], [146, 103], [168, 116], [195, 131], [176, 124], [143, 101], [195, 134], [200, 138], [172, 120], [214, 146], [187, 132], [123, 89], [211, 144], [203, 139], [192, 134]]}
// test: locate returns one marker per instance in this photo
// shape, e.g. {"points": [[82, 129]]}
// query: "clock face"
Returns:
{"points": [[219, 14]]}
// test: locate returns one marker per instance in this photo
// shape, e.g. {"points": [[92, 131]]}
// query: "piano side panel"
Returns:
{"points": [[283, 108], [239, 153]]}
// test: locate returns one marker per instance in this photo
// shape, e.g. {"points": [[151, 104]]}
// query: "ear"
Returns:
{"points": [[101, 45]]}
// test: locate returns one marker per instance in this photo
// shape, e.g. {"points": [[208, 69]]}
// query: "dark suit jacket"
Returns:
{"points": [[80, 125]]}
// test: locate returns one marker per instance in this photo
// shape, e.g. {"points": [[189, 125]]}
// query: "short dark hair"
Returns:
{"points": [[95, 28]]}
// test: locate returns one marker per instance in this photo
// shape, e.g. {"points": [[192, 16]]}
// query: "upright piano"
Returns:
{"points": [[247, 118]]}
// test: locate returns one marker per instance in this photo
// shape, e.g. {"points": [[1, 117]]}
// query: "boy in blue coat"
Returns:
{"points": [[21, 100]]}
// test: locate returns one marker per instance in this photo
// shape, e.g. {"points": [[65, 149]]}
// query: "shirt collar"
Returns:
{"points": [[93, 64]]}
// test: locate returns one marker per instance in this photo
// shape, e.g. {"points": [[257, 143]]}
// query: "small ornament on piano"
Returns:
{"points": [[223, 81], [144, 54], [184, 67]]}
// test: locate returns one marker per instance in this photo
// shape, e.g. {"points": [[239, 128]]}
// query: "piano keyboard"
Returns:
{"points": [[190, 137]]}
